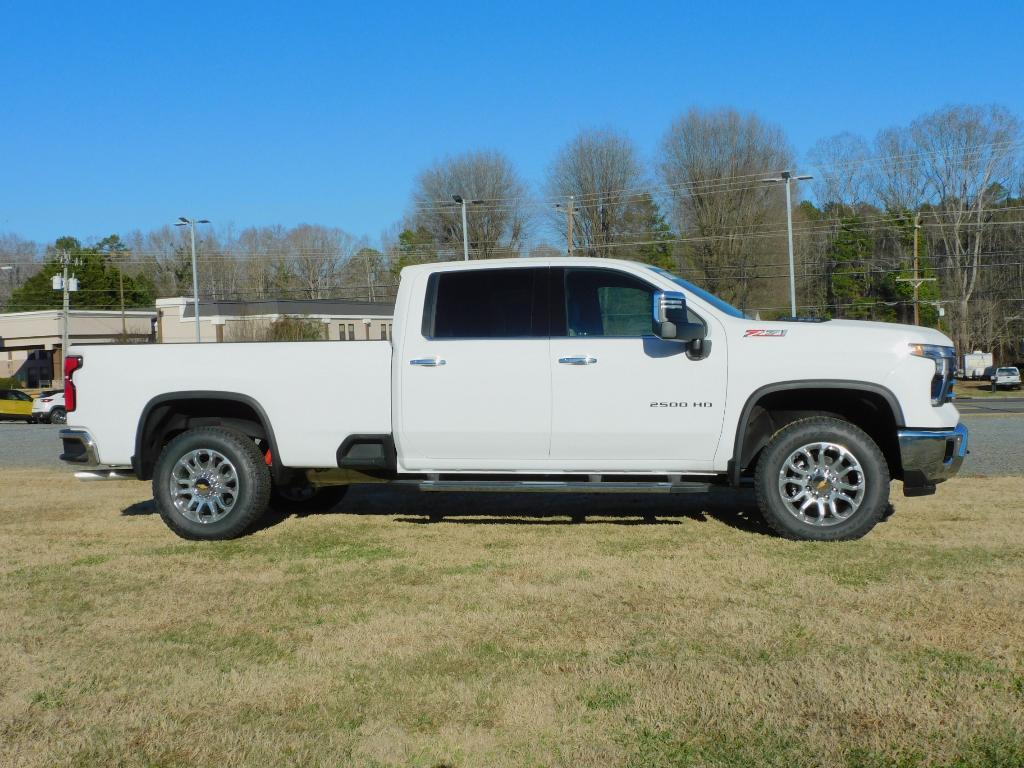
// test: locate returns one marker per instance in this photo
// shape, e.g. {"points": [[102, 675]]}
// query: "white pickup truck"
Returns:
{"points": [[562, 374]]}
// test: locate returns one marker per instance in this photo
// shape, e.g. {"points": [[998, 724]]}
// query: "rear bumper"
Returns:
{"points": [[80, 450], [930, 456]]}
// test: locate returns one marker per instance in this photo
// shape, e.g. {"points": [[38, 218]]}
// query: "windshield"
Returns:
{"points": [[710, 298], [1008, 371]]}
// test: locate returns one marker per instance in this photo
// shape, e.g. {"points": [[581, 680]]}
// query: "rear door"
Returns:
{"points": [[475, 379]]}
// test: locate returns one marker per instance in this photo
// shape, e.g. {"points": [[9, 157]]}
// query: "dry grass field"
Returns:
{"points": [[368, 638]]}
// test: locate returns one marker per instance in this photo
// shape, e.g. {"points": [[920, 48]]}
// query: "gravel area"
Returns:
{"points": [[996, 445]]}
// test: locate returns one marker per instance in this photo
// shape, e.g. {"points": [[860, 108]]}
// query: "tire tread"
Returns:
{"points": [[865, 521], [258, 471]]}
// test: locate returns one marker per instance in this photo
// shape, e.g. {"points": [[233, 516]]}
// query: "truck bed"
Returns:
{"points": [[314, 393]]}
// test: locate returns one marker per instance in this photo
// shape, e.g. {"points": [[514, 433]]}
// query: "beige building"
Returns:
{"points": [[30, 342], [342, 320]]}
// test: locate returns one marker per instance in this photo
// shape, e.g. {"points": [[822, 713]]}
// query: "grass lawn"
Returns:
{"points": [[369, 638], [981, 389]]}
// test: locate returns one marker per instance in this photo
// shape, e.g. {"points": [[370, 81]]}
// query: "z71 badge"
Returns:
{"points": [[775, 332]]}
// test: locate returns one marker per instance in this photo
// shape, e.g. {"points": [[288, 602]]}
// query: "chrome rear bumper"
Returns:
{"points": [[80, 450], [930, 456]]}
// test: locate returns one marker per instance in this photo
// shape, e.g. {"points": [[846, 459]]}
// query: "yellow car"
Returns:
{"points": [[15, 405]]}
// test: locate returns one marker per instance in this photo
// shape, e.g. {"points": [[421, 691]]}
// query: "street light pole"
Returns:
{"points": [[191, 224], [786, 177]]}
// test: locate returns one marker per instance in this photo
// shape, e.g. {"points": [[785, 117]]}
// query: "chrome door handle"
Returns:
{"points": [[577, 360], [429, 362]]}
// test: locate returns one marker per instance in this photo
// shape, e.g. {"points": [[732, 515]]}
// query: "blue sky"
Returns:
{"points": [[121, 116]]}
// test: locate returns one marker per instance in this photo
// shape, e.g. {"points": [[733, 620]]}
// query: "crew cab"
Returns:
{"points": [[562, 374]]}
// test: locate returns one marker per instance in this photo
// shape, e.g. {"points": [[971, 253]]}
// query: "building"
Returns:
{"points": [[342, 320], [30, 342]]}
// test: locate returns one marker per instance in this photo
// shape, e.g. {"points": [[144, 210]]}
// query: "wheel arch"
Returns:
{"points": [[171, 413], [872, 407]]}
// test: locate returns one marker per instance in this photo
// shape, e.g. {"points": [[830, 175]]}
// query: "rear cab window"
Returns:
{"points": [[499, 303]]}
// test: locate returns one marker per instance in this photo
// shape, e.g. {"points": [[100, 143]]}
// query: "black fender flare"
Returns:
{"points": [[735, 464], [141, 468]]}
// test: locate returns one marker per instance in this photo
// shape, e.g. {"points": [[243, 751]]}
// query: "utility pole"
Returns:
{"points": [[916, 280], [465, 227], [120, 287], [917, 266], [369, 279], [787, 178], [65, 286], [570, 221]]}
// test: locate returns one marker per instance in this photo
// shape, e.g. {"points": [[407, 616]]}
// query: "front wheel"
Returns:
{"points": [[822, 479], [211, 483]]}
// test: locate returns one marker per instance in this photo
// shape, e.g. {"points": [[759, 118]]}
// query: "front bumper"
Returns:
{"points": [[80, 450], [930, 456]]}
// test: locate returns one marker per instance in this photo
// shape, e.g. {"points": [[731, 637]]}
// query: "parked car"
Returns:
{"points": [[15, 406], [49, 407], [1004, 377], [568, 375]]}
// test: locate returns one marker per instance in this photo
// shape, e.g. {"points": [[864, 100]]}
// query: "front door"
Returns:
{"points": [[623, 399], [475, 383]]}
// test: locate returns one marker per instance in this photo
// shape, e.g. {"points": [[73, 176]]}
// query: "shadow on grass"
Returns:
{"points": [[147, 507], [736, 509]]}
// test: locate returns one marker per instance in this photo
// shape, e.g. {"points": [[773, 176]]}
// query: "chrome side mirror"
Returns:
{"points": [[671, 320]]}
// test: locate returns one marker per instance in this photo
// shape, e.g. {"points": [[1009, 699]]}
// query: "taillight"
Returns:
{"points": [[71, 364]]}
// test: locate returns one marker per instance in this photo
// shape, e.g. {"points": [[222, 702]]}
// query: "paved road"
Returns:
{"points": [[996, 442], [991, 405]]}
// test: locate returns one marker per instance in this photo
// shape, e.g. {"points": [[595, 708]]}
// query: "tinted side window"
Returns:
{"points": [[487, 304], [605, 302]]}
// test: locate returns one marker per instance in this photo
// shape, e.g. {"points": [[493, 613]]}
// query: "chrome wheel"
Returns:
{"points": [[822, 484], [204, 486]]}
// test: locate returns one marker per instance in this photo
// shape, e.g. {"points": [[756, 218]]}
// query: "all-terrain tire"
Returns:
{"points": [[783, 517], [248, 493]]}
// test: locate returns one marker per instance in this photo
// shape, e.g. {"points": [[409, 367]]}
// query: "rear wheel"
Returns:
{"points": [[211, 483], [58, 416], [822, 479]]}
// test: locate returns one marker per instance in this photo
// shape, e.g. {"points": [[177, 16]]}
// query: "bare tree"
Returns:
{"points": [[601, 171], [842, 169], [897, 176], [496, 222], [711, 163], [970, 156], [315, 257], [20, 259]]}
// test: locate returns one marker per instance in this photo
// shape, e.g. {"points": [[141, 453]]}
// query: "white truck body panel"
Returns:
{"points": [[117, 382]]}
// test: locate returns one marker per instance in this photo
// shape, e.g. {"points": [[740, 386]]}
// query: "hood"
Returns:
{"points": [[913, 333]]}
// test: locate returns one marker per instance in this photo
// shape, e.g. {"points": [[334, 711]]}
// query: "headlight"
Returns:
{"points": [[942, 381]]}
